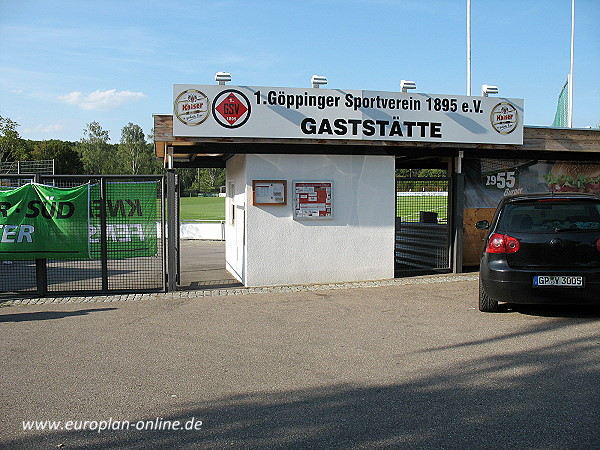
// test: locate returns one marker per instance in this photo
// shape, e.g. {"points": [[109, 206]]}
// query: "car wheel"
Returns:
{"points": [[486, 304]]}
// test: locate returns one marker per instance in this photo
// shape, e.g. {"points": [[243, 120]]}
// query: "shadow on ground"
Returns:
{"points": [[545, 397], [48, 315], [565, 311]]}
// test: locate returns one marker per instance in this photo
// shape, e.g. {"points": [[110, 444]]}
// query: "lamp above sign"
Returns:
{"points": [[294, 113]]}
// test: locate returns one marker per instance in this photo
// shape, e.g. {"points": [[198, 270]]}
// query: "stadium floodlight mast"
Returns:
{"points": [[318, 80], [222, 78], [469, 47], [405, 85], [486, 89]]}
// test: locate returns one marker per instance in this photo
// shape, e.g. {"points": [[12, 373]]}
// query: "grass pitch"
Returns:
{"points": [[202, 208], [407, 207]]}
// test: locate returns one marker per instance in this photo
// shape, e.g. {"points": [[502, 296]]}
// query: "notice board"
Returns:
{"points": [[313, 199], [269, 192]]}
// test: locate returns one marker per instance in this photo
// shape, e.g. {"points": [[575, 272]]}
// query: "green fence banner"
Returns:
{"points": [[38, 221], [131, 228]]}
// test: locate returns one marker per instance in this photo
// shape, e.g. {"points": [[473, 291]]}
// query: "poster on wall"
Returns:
{"points": [[313, 200], [269, 192], [488, 180]]}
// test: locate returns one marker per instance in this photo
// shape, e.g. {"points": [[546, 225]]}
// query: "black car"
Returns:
{"points": [[541, 248]]}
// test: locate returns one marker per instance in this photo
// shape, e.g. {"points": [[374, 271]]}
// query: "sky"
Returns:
{"points": [[64, 64]]}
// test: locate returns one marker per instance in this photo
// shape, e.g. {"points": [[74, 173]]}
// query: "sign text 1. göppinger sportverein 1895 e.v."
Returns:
{"points": [[293, 113]]}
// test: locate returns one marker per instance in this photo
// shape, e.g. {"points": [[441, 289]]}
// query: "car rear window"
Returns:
{"points": [[548, 216]]}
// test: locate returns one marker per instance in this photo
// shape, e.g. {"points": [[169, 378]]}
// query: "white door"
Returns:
{"points": [[240, 237]]}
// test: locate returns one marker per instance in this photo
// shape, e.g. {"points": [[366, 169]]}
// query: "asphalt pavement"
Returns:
{"points": [[398, 366], [202, 266]]}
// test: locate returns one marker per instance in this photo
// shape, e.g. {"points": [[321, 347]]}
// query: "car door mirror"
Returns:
{"points": [[482, 225]]}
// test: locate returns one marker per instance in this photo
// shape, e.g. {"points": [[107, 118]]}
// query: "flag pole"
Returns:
{"points": [[469, 47], [571, 72]]}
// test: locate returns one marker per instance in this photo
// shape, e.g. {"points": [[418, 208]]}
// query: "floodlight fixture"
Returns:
{"points": [[405, 85], [486, 89], [318, 80], [222, 78]]}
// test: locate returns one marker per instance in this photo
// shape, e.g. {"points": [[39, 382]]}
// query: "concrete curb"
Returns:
{"points": [[218, 292]]}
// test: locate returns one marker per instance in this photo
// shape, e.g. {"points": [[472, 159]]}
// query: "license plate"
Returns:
{"points": [[558, 280]]}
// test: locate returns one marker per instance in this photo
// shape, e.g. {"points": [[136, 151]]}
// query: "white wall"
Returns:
{"points": [[214, 231], [356, 244]]}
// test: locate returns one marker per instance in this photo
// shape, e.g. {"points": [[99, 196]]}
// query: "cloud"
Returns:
{"points": [[101, 100], [45, 128]]}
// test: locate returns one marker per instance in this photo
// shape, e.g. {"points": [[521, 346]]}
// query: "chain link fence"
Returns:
{"points": [[123, 249]]}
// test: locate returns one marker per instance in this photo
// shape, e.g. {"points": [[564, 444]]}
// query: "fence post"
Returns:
{"points": [[459, 205], [163, 230], [172, 224], [41, 277], [103, 235]]}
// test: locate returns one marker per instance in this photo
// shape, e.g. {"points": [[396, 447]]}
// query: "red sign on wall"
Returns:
{"points": [[313, 200]]}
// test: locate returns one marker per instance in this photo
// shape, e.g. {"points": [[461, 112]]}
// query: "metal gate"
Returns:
{"points": [[423, 225], [116, 265]]}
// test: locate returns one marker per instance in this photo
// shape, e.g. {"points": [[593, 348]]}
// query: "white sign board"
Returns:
{"points": [[269, 112], [269, 192]]}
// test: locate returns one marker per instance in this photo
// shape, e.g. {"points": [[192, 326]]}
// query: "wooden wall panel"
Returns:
{"points": [[472, 237]]}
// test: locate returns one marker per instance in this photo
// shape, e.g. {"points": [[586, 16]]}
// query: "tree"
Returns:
{"points": [[135, 155], [434, 185], [403, 185], [66, 159], [435, 173], [206, 180], [97, 155], [12, 147], [187, 178], [210, 180]]}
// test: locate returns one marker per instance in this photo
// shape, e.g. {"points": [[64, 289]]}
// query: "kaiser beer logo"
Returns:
{"points": [[504, 118], [231, 108], [191, 107]]}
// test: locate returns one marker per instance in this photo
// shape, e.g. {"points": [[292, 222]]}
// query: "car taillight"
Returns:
{"points": [[598, 244], [502, 243]]}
